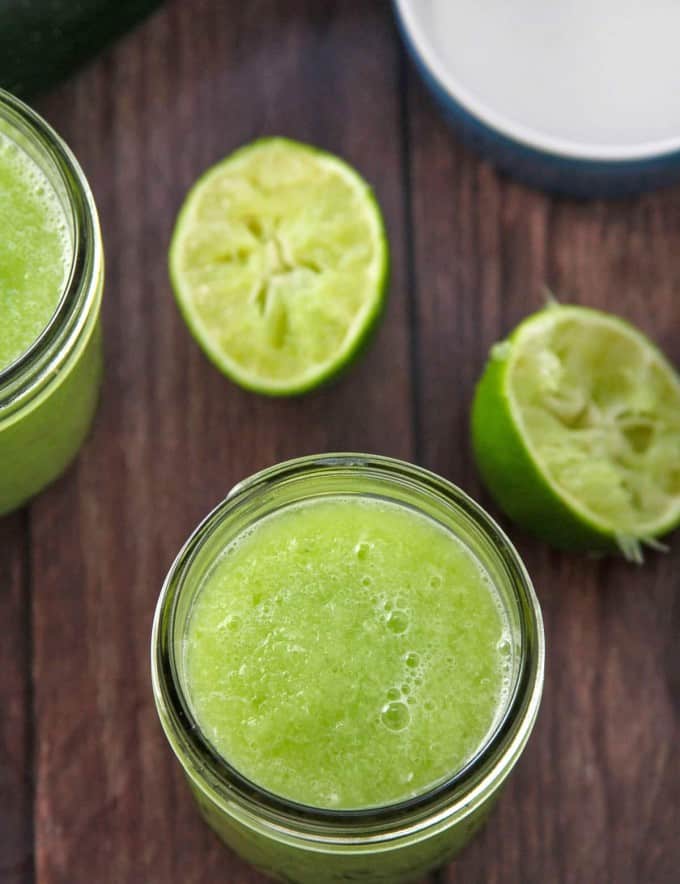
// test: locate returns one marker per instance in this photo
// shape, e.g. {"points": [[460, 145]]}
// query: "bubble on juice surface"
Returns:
{"points": [[398, 621], [395, 715], [362, 549], [506, 651], [435, 581], [231, 622], [412, 660], [504, 646], [378, 603]]}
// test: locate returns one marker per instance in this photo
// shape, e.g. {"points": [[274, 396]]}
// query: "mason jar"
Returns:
{"points": [[308, 845], [48, 394]]}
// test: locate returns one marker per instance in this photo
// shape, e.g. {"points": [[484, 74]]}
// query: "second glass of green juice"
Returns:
{"points": [[51, 279], [347, 661]]}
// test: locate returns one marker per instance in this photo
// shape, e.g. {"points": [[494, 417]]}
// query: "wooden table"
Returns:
{"points": [[89, 791]]}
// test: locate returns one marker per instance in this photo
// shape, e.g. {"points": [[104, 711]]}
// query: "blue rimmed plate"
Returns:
{"points": [[580, 97]]}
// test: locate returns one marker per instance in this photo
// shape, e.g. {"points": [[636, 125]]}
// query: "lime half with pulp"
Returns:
{"points": [[279, 264], [576, 431]]}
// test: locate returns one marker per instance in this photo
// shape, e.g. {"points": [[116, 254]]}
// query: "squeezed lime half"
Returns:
{"points": [[279, 262], [576, 431]]}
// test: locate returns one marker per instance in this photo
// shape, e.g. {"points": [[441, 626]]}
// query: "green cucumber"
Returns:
{"points": [[42, 41]]}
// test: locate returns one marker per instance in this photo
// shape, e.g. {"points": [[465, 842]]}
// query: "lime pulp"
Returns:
{"points": [[576, 430]]}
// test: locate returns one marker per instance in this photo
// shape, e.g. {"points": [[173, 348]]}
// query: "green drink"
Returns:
{"points": [[403, 631], [50, 291], [347, 662], [35, 251]]}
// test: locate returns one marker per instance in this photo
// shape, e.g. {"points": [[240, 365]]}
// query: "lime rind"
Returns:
{"points": [[279, 263], [520, 470]]}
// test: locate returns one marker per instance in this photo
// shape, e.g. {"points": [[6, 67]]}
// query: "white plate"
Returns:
{"points": [[586, 79]]}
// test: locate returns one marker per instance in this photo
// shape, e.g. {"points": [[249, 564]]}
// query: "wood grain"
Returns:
{"points": [[596, 797], [16, 712], [89, 791]]}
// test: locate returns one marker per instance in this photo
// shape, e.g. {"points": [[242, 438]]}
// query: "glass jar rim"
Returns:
{"points": [[503, 744], [27, 374]]}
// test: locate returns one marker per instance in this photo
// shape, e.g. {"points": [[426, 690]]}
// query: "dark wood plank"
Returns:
{"points": [[596, 797], [16, 763], [172, 435]]}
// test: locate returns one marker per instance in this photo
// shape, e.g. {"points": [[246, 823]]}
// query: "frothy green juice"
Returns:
{"points": [[347, 653], [35, 251], [47, 402]]}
